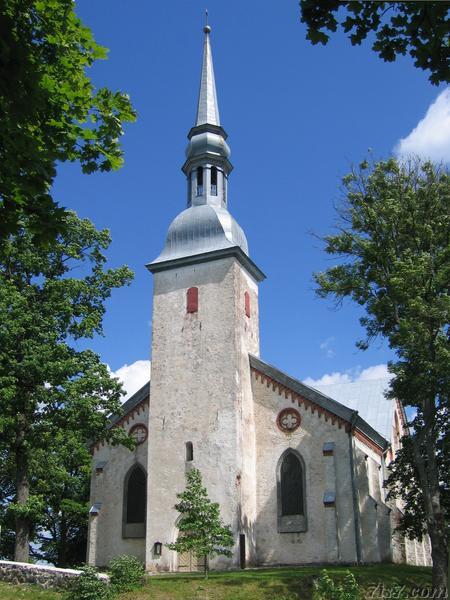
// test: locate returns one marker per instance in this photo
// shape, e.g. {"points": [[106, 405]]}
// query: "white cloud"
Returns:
{"points": [[327, 348], [350, 376], [431, 136], [375, 372], [133, 376]]}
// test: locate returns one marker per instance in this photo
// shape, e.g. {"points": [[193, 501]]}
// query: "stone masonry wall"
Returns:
{"points": [[44, 575], [330, 534], [107, 488], [201, 393]]}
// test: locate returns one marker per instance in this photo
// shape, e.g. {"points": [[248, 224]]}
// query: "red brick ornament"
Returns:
{"points": [[288, 420]]}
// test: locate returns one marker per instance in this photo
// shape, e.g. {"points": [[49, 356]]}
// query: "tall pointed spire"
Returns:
{"points": [[208, 108], [206, 225]]}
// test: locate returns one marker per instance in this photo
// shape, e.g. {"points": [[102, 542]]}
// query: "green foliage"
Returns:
{"points": [[346, 589], [126, 573], [201, 529], [394, 249], [418, 28], [54, 396], [50, 111], [88, 586]]}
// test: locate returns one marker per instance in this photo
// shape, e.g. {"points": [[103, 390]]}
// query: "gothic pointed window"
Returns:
{"points": [[291, 486], [135, 503], [291, 493], [199, 181], [213, 181]]}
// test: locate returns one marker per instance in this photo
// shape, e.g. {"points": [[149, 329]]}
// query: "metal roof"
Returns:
{"points": [[131, 403], [200, 229], [368, 398], [208, 108]]}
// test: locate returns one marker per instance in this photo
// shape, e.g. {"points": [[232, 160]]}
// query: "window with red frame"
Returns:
{"points": [[192, 300], [247, 304]]}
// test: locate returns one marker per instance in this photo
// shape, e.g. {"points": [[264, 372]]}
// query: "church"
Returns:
{"points": [[298, 472]]}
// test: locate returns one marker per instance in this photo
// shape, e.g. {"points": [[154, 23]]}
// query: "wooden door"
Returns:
{"points": [[187, 561]]}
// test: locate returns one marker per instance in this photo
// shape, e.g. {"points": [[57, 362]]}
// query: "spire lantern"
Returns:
{"points": [[207, 163]]}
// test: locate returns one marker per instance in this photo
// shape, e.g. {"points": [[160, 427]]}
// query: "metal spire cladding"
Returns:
{"points": [[206, 230], [208, 108]]}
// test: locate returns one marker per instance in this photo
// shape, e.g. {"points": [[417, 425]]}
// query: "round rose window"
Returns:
{"points": [[139, 432], [289, 420]]}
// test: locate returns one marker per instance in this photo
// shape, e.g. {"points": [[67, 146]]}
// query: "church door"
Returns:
{"points": [[187, 561]]}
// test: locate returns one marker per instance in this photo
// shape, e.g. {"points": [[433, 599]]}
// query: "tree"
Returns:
{"points": [[53, 395], [394, 248], [61, 534], [202, 531], [417, 28], [50, 111]]}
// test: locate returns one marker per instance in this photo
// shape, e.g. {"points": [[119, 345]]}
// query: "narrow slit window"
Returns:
{"points": [[213, 181], [189, 452], [199, 181], [192, 300], [247, 304]]}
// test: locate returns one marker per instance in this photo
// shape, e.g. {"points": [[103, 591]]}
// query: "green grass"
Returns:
{"points": [[26, 592], [259, 584]]}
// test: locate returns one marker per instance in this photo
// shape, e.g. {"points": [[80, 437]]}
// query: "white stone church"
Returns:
{"points": [[297, 471]]}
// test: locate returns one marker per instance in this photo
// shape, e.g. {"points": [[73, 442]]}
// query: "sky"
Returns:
{"points": [[298, 116]]}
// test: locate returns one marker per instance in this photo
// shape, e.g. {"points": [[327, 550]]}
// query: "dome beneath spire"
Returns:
{"points": [[200, 229]]}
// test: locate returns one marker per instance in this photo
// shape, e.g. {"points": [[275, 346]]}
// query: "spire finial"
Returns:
{"points": [[206, 28]]}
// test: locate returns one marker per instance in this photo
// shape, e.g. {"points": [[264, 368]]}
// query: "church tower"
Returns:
{"points": [[205, 324]]}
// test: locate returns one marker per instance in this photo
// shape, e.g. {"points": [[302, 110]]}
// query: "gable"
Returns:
{"points": [[132, 405], [306, 395]]}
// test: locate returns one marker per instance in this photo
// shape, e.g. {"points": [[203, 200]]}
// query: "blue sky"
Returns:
{"points": [[297, 116]]}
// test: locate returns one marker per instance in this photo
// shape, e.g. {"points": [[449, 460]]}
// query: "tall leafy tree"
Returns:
{"points": [[50, 111], [419, 29], [53, 395], [201, 530], [61, 533], [393, 246]]}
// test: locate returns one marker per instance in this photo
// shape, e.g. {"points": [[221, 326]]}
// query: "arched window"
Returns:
{"points": [[213, 181], [291, 486], [247, 304], [135, 503], [199, 181], [189, 452], [192, 300], [291, 493]]}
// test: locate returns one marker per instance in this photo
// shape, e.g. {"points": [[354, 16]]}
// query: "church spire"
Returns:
{"points": [[208, 108], [206, 225]]}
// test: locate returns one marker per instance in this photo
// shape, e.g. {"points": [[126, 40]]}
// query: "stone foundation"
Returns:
{"points": [[43, 575]]}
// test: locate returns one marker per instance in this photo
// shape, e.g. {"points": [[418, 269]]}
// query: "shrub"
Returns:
{"points": [[126, 573], [327, 589], [88, 586]]}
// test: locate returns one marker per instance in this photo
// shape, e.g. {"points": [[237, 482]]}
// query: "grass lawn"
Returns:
{"points": [[262, 584]]}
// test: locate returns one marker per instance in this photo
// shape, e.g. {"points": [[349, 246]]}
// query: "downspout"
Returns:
{"points": [[354, 492]]}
